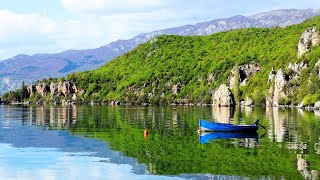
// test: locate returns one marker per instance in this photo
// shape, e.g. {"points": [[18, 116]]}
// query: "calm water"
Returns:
{"points": [[104, 142]]}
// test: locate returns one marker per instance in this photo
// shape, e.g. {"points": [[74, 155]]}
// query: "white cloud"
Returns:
{"points": [[118, 5], [32, 33], [21, 26]]}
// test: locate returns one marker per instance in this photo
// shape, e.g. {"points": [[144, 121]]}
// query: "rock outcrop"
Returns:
{"points": [[310, 37], [297, 67], [281, 89], [317, 67], [272, 74], [244, 73], [42, 88], [176, 88], [31, 90], [279, 84], [67, 88], [210, 78], [317, 104], [247, 102], [222, 96], [56, 89]]}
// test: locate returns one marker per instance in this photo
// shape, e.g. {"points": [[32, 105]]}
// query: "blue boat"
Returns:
{"points": [[206, 126], [206, 137]]}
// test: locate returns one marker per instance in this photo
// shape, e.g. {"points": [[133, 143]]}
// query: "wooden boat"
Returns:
{"points": [[206, 137], [206, 126]]}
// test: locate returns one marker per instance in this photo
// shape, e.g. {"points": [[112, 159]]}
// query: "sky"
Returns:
{"points": [[51, 26]]}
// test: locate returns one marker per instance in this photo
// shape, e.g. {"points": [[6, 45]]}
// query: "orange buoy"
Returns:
{"points": [[145, 133]]}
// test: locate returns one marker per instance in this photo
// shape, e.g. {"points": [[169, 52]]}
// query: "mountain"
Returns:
{"points": [[252, 66], [15, 70]]}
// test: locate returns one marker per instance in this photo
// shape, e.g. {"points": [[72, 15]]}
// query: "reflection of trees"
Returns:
{"points": [[317, 146], [165, 152], [172, 146]]}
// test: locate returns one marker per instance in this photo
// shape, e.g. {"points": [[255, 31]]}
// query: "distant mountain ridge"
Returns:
{"points": [[15, 70]]}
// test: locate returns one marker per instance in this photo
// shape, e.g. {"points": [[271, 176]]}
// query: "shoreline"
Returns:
{"points": [[115, 103]]}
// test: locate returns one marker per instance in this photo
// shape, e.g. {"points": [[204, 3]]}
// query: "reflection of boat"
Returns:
{"points": [[212, 126], [206, 137]]}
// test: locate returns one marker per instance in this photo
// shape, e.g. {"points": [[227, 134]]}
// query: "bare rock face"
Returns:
{"points": [[269, 99], [317, 104], [31, 90], [317, 67], [222, 96], [277, 91], [53, 89], [42, 88], [272, 74], [297, 67], [210, 78], [280, 88], [56, 89], [245, 72], [176, 88], [247, 102], [310, 37], [67, 88], [279, 84]]}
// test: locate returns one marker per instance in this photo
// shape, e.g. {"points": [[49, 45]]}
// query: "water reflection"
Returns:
{"points": [[114, 134], [249, 139], [222, 114]]}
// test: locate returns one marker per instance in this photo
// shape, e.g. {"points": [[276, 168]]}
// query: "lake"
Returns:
{"points": [[108, 142]]}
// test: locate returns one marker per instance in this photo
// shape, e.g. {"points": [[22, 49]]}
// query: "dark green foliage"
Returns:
{"points": [[24, 94]]}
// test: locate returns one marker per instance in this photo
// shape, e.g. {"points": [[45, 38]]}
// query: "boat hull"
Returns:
{"points": [[221, 127]]}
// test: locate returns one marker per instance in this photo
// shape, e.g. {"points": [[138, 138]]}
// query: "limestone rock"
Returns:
{"points": [[53, 89], [222, 96], [74, 97], [277, 91], [247, 102], [31, 90], [297, 67], [176, 88], [42, 88], [317, 67], [56, 89], [269, 99], [67, 88], [211, 78], [279, 84], [272, 74], [317, 104], [245, 72], [310, 37]]}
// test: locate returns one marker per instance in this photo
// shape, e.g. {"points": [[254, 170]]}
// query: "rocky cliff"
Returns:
{"points": [[310, 37], [66, 90], [222, 96]]}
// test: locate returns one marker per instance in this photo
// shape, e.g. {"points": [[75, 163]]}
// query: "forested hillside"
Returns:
{"points": [[188, 69]]}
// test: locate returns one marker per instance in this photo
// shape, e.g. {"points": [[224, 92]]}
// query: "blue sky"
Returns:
{"points": [[33, 26]]}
